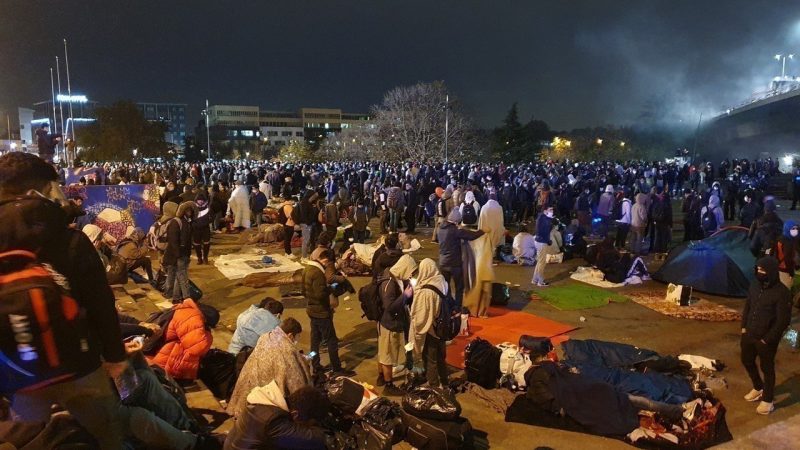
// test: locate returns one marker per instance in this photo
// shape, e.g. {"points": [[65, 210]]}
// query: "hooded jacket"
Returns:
{"points": [[606, 203], [425, 306], [450, 240], [391, 292], [785, 249], [187, 341], [469, 199], [768, 309], [179, 235], [316, 291], [131, 248], [713, 205], [267, 423]]}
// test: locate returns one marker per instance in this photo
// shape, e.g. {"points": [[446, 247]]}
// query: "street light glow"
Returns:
{"points": [[599, 141]]}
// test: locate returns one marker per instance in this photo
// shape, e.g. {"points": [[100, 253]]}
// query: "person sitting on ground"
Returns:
{"points": [[524, 246], [135, 253], [186, 340], [394, 291], [274, 358], [254, 322], [276, 421]]}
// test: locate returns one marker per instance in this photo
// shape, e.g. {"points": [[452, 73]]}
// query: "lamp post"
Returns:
{"points": [[446, 123], [782, 59], [208, 133]]}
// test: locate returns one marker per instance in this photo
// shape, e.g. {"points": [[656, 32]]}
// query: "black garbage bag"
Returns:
{"points": [[370, 437], [384, 418], [344, 394], [435, 403]]}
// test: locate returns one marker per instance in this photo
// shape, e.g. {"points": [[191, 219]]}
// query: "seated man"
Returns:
{"points": [[524, 247], [255, 321], [274, 358], [135, 253], [272, 420]]}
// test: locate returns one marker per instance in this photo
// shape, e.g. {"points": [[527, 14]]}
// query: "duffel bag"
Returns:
{"points": [[426, 434]]}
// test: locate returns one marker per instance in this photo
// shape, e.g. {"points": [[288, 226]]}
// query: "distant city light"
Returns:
{"points": [[72, 98], [622, 144], [788, 160], [599, 141]]}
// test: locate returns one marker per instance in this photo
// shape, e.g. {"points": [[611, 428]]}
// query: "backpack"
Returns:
{"points": [[393, 198], [447, 324], [370, 299], [513, 366], [469, 216], [441, 208], [44, 334], [709, 221], [159, 236], [659, 210], [482, 363], [295, 214]]}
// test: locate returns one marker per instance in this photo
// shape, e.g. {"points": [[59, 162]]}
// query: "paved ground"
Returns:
{"points": [[626, 322]]}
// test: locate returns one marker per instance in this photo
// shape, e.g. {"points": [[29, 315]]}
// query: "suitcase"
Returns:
{"points": [[427, 434]]}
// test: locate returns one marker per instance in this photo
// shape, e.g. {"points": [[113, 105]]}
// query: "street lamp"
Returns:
{"points": [[622, 144], [782, 59], [599, 141]]}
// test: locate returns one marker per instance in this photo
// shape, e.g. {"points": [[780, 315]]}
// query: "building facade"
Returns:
{"points": [[173, 115]]}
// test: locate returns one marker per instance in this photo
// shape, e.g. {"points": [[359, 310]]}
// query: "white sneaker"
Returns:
{"points": [[764, 408], [542, 284], [754, 395]]}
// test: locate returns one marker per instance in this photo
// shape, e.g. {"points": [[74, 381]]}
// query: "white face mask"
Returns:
{"points": [[549, 214], [793, 232]]}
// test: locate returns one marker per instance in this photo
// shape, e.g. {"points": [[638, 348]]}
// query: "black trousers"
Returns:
{"points": [[288, 233], [751, 349], [622, 234], [433, 357], [457, 275], [323, 330]]}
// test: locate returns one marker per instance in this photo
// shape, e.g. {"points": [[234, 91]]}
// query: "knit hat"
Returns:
{"points": [[454, 216]]}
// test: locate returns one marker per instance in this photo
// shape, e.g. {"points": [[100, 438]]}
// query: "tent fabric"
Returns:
{"points": [[721, 264]]}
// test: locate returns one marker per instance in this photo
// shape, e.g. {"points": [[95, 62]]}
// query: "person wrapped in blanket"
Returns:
{"points": [[598, 406], [617, 266]]}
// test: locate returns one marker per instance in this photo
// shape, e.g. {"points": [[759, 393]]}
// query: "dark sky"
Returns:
{"points": [[571, 63]]}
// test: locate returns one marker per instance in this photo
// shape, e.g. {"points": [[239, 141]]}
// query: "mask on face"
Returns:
{"points": [[793, 232], [762, 277], [549, 214]]}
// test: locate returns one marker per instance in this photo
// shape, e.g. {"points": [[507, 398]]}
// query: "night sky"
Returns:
{"points": [[571, 63]]}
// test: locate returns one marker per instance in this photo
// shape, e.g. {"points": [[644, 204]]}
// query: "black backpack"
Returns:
{"points": [[469, 216], [44, 333], [709, 221], [482, 363], [447, 324], [370, 299]]}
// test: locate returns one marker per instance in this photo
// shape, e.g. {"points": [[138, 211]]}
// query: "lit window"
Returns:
{"points": [[248, 133]]}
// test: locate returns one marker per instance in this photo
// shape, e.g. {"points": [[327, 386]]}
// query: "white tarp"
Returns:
{"points": [[238, 265]]}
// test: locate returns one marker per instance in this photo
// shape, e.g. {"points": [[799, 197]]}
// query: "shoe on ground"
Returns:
{"points": [[542, 284], [754, 395], [344, 372], [393, 391], [764, 408], [380, 381]]}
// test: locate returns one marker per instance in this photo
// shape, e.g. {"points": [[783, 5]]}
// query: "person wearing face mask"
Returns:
{"points": [[544, 224], [274, 358], [785, 250], [766, 316]]}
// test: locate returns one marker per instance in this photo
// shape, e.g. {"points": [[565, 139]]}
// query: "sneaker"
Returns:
{"points": [[392, 390], [754, 395], [764, 408], [542, 284], [380, 381]]}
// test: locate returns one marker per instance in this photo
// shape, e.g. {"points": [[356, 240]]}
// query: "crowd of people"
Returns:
{"points": [[555, 206]]}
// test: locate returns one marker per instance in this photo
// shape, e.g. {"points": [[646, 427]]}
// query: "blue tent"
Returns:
{"points": [[721, 264]]}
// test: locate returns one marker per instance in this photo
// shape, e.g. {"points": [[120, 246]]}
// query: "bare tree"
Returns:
{"points": [[410, 124]]}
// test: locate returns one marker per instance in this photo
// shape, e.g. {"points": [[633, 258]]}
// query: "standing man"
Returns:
{"points": [[544, 225], [47, 142], [320, 310], [38, 225], [451, 238], [766, 316]]}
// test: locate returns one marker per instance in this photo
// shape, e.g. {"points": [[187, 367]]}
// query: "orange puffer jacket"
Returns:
{"points": [[187, 340]]}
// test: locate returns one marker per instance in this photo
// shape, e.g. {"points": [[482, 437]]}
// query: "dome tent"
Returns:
{"points": [[721, 264]]}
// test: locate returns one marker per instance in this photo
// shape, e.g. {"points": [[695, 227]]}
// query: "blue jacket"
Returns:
{"points": [[544, 225], [250, 325]]}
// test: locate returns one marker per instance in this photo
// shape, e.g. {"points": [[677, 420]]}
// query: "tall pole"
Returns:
{"points": [[53, 93], [208, 133], [446, 123], [69, 89], [783, 68], [8, 125], [60, 103], [696, 132]]}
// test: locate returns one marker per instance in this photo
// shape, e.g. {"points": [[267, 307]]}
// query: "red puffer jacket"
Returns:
{"points": [[187, 340]]}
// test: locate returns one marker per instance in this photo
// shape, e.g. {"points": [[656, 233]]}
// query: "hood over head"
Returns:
{"points": [[169, 211], [469, 197], [610, 189], [454, 216], [787, 226], [404, 268], [770, 266], [269, 395], [187, 206]]}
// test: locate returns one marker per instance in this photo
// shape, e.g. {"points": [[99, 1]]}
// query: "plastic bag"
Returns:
{"points": [[386, 418], [348, 396], [434, 403]]}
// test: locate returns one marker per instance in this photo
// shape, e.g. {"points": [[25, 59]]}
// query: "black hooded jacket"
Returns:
{"points": [[768, 310]]}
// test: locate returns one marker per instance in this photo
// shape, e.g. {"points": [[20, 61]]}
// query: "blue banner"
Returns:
{"points": [[118, 209]]}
